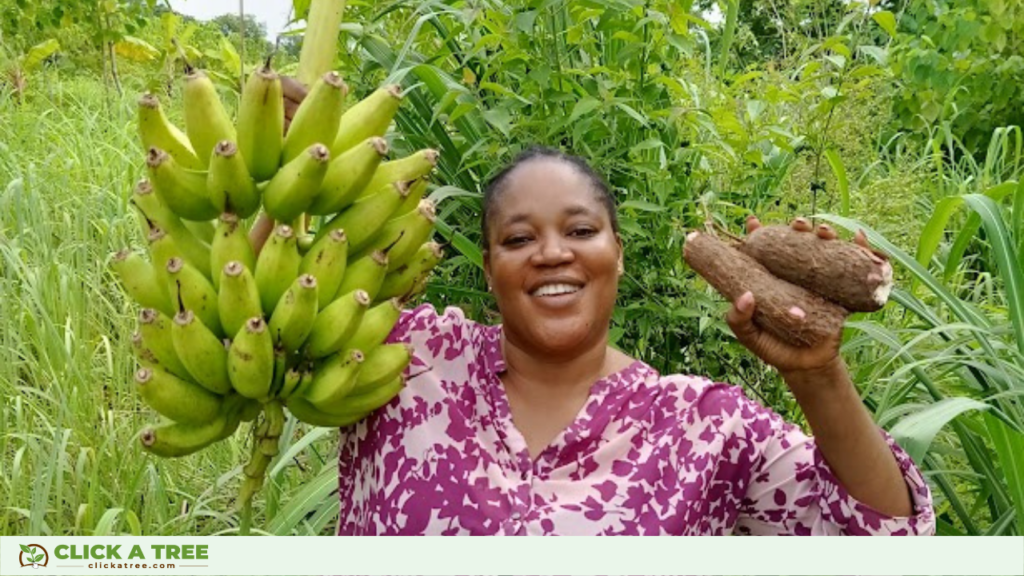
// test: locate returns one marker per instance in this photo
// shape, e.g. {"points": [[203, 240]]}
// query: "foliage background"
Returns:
{"points": [[900, 117]]}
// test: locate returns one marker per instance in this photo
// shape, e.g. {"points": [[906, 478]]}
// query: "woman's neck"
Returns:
{"points": [[536, 374]]}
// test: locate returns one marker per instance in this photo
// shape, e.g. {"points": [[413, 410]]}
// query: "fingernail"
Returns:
{"points": [[745, 301]]}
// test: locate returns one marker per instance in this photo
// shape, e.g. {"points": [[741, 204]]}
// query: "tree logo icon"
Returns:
{"points": [[33, 555]]}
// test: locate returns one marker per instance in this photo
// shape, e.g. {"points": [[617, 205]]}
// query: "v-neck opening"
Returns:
{"points": [[503, 411]]}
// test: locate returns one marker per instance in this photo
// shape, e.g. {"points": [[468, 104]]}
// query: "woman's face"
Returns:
{"points": [[553, 260]]}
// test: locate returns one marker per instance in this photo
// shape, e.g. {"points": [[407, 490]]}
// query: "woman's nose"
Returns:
{"points": [[551, 251]]}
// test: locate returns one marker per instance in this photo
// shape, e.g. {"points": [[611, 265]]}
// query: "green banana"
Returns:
{"points": [[417, 190], [202, 352], [156, 213], [230, 243], [376, 325], [347, 176], [317, 118], [206, 121], [327, 261], [382, 365], [334, 379], [293, 317], [251, 360], [172, 439], [355, 405], [412, 167], [238, 298], [362, 221], [295, 381], [401, 237], [261, 123], [141, 282], [369, 117], [290, 192], [281, 362], [156, 130], [305, 242], [194, 292], [336, 324], [162, 248], [366, 273], [201, 229], [155, 329], [175, 398], [277, 266], [401, 282], [306, 412], [228, 183], [183, 191]]}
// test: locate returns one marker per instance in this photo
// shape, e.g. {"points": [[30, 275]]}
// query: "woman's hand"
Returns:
{"points": [[788, 359], [294, 92]]}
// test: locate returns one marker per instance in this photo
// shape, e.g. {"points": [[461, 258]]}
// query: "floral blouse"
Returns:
{"points": [[647, 454]]}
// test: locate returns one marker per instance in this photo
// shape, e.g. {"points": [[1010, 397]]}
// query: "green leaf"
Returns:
{"points": [[1009, 445], [26, 549], [641, 205], [229, 56], [841, 180], [584, 106], [632, 113], [500, 119], [464, 245], [887, 21], [136, 49], [915, 432], [36, 54]]}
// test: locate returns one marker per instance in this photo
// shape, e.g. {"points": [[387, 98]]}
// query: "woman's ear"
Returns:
{"points": [[618, 240], [487, 267]]}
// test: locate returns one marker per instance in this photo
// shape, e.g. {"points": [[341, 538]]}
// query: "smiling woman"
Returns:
{"points": [[538, 426]]}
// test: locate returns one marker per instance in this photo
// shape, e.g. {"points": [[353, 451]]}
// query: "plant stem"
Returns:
{"points": [[245, 519]]}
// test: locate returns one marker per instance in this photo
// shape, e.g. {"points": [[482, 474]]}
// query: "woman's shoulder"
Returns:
{"points": [[703, 398], [425, 318]]}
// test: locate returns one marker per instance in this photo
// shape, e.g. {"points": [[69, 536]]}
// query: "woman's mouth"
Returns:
{"points": [[556, 290]]}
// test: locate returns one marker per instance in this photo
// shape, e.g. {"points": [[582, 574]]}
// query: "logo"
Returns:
{"points": [[33, 555]]}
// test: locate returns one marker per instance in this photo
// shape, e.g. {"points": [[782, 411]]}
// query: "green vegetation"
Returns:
{"points": [[784, 108]]}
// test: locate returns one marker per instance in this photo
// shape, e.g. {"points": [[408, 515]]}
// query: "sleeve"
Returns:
{"points": [[436, 338], [792, 490]]}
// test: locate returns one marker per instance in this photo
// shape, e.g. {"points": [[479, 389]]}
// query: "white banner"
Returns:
{"points": [[820, 556]]}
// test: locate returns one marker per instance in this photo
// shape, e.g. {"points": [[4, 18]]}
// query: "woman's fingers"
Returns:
{"points": [[293, 89]]}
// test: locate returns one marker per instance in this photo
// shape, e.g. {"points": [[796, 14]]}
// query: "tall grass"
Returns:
{"points": [[70, 462]]}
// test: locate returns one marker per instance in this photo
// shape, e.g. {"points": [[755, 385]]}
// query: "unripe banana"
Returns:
{"points": [[156, 213], [172, 440], [277, 266], [230, 244], [305, 242], [251, 360], [417, 190], [141, 282], [293, 318], [175, 398], [206, 121], [334, 379], [306, 412], [401, 237], [292, 381], [201, 229], [228, 183], [143, 355], [194, 292], [155, 329], [401, 283], [281, 366], [202, 352], [327, 261], [412, 167], [156, 130], [347, 176], [382, 365], [290, 192], [261, 123], [316, 120], [367, 118], [376, 325], [362, 405], [363, 220], [336, 324], [238, 298], [366, 273], [183, 191]]}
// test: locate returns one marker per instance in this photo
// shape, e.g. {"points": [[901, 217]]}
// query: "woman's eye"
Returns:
{"points": [[583, 232], [515, 240]]}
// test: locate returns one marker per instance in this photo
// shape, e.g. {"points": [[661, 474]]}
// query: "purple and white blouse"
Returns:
{"points": [[647, 455]]}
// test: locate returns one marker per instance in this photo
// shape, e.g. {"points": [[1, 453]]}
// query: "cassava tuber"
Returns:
{"points": [[849, 275], [790, 312]]}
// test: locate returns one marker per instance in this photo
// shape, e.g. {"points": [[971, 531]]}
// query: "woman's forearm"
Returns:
{"points": [[849, 439]]}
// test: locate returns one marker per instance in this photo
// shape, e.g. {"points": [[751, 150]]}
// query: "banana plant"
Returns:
{"points": [[17, 67]]}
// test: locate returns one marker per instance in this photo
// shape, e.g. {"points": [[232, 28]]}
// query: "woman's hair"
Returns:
{"points": [[497, 184]]}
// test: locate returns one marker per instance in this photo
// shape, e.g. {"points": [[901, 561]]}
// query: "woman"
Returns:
{"points": [[538, 426]]}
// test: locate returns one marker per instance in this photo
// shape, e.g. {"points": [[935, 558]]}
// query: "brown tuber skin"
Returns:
{"points": [[791, 313], [850, 275]]}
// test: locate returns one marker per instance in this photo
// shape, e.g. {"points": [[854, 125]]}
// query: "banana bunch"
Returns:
{"points": [[228, 332]]}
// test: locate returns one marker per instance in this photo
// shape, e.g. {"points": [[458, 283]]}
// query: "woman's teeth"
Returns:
{"points": [[555, 290]]}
